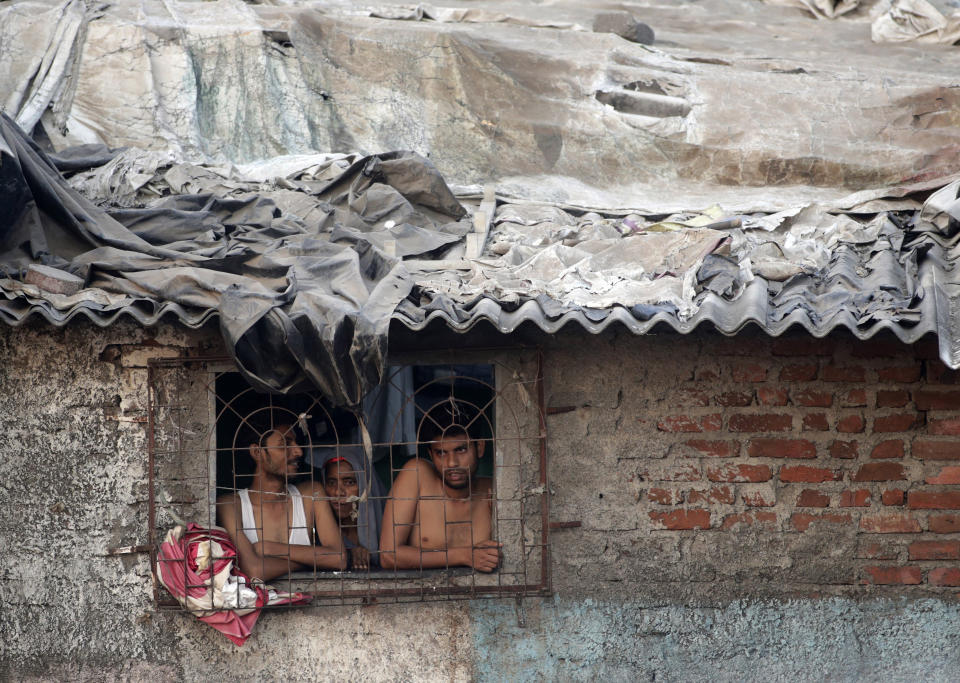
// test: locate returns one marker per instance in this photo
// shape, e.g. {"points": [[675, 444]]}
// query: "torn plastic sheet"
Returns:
{"points": [[571, 117], [296, 310], [917, 20]]}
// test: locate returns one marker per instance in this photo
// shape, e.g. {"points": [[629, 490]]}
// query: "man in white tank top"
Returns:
{"points": [[273, 522]]}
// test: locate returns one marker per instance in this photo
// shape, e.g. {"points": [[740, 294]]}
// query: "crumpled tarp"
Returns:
{"points": [[199, 568], [297, 310], [737, 102], [917, 20], [892, 21]]}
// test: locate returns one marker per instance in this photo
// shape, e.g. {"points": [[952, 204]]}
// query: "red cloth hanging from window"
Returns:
{"points": [[199, 568]]}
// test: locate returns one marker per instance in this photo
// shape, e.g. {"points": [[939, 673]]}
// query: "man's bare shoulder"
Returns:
{"points": [[415, 473]]}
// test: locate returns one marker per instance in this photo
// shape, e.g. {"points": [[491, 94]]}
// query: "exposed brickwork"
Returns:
{"points": [[855, 498], [944, 524], [893, 496], [799, 373], [926, 449], [889, 524], [844, 449], [715, 449], [893, 398], [848, 447], [781, 448], [888, 449], [811, 498], [761, 422], [677, 520], [893, 575]]}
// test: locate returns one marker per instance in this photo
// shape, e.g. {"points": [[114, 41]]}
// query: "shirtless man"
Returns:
{"points": [[438, 513], [272, 523]]}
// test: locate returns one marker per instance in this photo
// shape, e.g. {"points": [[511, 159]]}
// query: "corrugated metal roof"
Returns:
{"points": [[846, 294]]}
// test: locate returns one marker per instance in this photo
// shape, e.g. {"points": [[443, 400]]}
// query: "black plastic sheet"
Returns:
{"points": [[296, 309]]}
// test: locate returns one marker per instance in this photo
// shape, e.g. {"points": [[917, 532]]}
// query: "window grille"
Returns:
{"points": [[198, 406]]}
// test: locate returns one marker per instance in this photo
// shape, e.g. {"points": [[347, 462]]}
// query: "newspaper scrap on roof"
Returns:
{"points": [[232, 168]]}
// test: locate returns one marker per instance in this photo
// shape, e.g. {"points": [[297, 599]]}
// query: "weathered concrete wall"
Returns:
{"points": [[685, 568], [711, 468]]}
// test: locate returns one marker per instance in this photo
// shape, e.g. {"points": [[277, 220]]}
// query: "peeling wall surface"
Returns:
{"points": [[751, 508]]}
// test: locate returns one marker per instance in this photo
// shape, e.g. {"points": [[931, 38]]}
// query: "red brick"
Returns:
{"points": [[944, 576], [934, 550], [855, 398], [844, 449], [880, 471], [909, 576], [802, 346], [904, 374], [739, 473], [902, 422], [801, 521], [946, 475], [933, 500], [946, 427], [889, 524], [799, 373], [859, 498], [712, 423], [850, 424], [679, 520], [761, 423], [688, 423], [749, 518], [749, 372], [692, 398], [836, 373], [758, 499], [893, 399], [716, 494], [781, 448], [927, 399], [808, 475], [893, 496], [689, 472], [810, 498], [880, 348], [815, 422], [734, 398], [715, 449], [874, 550], [770, 396], [938, 373], [812, 399], [887, 449], [944, 524], [936, 450], [665, 496]]}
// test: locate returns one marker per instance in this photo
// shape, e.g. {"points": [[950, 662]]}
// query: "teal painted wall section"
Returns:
{"points": [[835, 639]]}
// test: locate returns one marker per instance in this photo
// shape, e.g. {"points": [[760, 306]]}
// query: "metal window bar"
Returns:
{"points": [[186, 453]]}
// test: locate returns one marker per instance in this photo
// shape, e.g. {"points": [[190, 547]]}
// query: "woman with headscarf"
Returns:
{"points": [[357, 497]]}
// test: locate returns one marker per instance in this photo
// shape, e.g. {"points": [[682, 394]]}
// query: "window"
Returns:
{"points": [[200, 408]]}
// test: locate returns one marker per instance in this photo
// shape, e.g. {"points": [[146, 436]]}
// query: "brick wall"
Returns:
{"points": [[798, 461]]}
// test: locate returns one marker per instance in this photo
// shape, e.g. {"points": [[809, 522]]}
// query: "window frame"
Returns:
{"points": [[426, 584]]}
